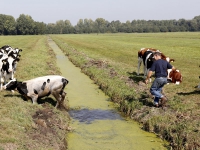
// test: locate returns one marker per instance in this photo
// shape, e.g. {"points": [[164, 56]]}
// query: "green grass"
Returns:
{"points": [[179, 123]]}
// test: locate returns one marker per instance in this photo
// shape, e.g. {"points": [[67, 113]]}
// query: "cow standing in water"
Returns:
{"points": [[40, 87]]}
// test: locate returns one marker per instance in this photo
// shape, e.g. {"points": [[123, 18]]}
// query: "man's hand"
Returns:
{"points": [[146, 81]]}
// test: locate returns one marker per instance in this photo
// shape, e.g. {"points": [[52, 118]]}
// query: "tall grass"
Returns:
{"points": [[179, 122]]}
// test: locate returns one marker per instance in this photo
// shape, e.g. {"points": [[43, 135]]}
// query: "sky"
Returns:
{"points": [[50, 11]]}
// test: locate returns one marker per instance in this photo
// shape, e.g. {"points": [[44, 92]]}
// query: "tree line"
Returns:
{"points": [[25, 25]]}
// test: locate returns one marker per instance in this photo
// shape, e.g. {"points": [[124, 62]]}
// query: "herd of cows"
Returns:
{"points": [[146, 55], [34, 88]]}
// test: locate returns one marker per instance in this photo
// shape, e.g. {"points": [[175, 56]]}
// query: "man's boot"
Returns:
{"points": [[163, 101]]}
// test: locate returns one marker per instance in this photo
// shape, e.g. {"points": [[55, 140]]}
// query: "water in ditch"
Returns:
{"points": [[96, 122]]}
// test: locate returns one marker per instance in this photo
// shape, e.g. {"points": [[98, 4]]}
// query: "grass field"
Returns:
{"points": [[19, 127], [111, 61]]}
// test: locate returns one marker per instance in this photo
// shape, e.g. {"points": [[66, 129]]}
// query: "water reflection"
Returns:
{"points": [[88, 116]]}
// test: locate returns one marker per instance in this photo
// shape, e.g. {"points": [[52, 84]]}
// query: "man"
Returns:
{"points": [[160, 67]]}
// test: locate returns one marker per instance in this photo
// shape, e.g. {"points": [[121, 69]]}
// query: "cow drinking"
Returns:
{"points": [[40, 87]]}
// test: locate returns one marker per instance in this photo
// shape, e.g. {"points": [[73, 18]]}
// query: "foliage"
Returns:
{"points": [[25, 25]]}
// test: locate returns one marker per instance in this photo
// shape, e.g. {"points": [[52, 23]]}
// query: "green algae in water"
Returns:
{"points": [[101, 133]]}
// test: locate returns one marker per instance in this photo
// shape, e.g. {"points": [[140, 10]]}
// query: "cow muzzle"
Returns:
{"points": [[10, 70]]}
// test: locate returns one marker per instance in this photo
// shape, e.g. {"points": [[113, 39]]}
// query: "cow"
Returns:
{"points": [[3, 58], [142, 55], [148, 59], [15, 54], [40, 87], [7, 64], [174, 76], [6, 48]]}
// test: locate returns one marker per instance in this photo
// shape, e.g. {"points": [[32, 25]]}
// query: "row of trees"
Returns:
{"points": [[25, 25]]}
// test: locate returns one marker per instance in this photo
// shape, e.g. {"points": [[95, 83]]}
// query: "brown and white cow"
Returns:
{"points": [[174, 76], [40, 87], [142, 56]]}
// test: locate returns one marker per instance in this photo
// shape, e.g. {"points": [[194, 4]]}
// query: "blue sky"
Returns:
{"points": [[50, 11]]}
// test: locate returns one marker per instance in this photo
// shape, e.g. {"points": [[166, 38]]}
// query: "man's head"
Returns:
{"points": [[157, 55]]}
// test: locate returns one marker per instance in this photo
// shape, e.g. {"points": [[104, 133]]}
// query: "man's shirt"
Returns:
{"points": [[160, 67]]}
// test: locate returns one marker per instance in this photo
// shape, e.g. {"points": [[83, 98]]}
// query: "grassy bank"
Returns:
{"points": [[22, 124], [111, 61]]}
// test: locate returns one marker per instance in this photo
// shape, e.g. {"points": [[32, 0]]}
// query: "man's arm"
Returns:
{"points": [[148, 76]]}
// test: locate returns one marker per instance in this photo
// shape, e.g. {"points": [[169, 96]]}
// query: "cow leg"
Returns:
{"points": [[139, 64], [57, 97], [34, 98], [146, 73], [1, 84], [63, 94]]}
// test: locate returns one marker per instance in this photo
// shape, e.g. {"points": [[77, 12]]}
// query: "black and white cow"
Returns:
{"points": [[15, 54], [40, 87], [5, 49], [148, 59], [7, 66]]}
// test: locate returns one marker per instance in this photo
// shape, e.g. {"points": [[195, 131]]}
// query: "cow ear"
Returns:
{"points": [[4, 60], [17, 59]]}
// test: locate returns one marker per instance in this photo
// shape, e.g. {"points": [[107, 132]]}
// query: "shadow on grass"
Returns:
{"points": [[40, 100], [189, 93], [137, 78]]}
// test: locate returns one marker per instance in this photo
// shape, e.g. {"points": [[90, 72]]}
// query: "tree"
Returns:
{"points": [[2, 20], [9, 25], [80, 26], [68, 28], [197, 18], [100, 25], [40, 28], [25, 25], [50, 29]]}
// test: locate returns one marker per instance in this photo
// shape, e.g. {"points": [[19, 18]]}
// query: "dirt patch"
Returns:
{"points": [[48, 130]]}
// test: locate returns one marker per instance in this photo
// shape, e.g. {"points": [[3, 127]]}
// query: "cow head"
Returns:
{"points": [[9, 62], [11, 85], [6, 48]]}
